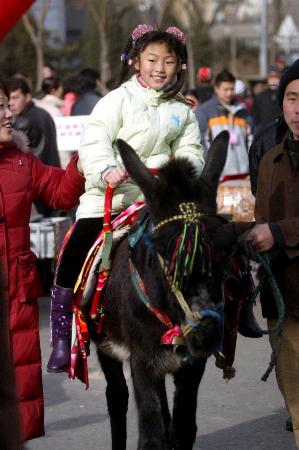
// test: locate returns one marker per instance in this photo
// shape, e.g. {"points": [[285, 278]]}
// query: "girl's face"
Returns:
{"points": [[5, 119], [157, 65]]}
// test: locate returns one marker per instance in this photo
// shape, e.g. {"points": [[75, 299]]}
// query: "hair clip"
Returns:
{"points": [[124, 57], [130, 62], [177, 33], [184, 66], [140, 30]]}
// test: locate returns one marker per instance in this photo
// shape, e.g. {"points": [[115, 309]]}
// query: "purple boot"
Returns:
{"points": [[61, 328]]}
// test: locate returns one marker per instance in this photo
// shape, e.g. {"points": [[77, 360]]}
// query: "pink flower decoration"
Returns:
{"points": [[140, 30], [177, 33]]}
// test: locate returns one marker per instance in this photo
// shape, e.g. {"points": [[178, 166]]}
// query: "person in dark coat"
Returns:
{"points": [[265, 107], [277, 232], [23, 179], [35, 122], [266, 139], [37, 125], [87, 91]]}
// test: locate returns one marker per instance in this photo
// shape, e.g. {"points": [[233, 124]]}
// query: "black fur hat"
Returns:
{"points": [[290, 74]]}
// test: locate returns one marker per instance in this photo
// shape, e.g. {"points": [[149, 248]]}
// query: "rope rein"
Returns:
{"points": [[264, 261], [195, 317]]}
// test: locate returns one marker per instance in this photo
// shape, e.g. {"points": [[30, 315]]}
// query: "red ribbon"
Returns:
{"points": [[236, 176], [170, 334]]}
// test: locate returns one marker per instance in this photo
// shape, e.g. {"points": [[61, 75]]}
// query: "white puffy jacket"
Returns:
{"points": [[156, 128]]}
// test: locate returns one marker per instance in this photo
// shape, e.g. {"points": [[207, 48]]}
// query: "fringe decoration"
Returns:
{"points": [[190, 246]]}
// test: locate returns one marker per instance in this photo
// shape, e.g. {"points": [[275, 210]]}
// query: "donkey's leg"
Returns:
{"points": [[148, 388], [184, 427], [117, 395]]}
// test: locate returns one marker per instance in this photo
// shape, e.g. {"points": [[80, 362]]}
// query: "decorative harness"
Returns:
{"points": [[187, 247]]}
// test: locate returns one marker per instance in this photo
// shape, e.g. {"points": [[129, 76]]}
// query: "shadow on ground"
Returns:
{"points": [[264, 433]]}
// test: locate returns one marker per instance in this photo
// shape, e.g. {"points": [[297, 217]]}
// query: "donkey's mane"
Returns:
{"points": [[178, 170], [179, 178]]}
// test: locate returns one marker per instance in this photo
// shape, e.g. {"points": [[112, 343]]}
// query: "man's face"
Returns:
{"points": [[18, 101], [290, 107], [225, 91]]}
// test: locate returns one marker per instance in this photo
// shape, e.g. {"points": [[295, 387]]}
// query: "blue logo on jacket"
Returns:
{"points": [[176, 119]]}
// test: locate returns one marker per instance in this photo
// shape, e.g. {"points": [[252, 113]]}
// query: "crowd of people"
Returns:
{"points": [[146, 111]]}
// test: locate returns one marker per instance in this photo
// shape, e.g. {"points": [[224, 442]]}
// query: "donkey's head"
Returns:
{"points": [[182, 207]]}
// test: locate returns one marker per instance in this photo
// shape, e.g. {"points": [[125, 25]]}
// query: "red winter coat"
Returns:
{"points": [[23, 178]]}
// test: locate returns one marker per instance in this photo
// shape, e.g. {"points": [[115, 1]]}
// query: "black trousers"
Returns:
{"points": [[75, 252]]}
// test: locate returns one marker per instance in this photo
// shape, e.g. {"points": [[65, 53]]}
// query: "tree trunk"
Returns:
{"points": [[233, 51], [37, 39], [104, 65], [39, 64], [191, 64], [277, 19], [99, 14]]}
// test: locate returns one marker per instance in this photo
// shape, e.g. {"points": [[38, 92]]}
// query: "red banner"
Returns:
{"points": [[10, 12]]}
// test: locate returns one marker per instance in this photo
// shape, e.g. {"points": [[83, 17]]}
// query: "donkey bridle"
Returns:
{"points": [[189, 214]]}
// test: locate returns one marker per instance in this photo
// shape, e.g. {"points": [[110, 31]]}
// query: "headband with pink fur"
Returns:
{"points": [[143, 29]]}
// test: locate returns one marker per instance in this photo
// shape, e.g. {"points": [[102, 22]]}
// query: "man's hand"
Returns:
{"points": [[261, 237], [116, 176]]}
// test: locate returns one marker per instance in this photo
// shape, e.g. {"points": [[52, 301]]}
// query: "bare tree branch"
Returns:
{"points": [[29, 28], [99, 12], [224, 6], [37, 36], [163, 5]]}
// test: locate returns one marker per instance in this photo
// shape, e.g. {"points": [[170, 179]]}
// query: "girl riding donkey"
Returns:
{"points": [[147, 113]]}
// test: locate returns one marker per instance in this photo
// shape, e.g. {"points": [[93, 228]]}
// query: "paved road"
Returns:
{"points": [[244, 414]]}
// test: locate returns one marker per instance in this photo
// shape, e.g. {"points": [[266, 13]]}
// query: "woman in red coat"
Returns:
{"points": [[24, 179]]}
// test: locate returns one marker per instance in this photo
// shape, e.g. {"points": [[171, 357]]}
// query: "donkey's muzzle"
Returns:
{"points": [[205, 337]]}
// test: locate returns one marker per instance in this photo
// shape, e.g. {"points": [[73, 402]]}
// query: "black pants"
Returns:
{"points": [[82, 238]]}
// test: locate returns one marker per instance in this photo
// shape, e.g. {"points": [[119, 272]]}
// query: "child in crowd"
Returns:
{"points": [[147, 112]]}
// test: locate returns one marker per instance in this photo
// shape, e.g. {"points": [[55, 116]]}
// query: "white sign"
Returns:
{"points": [[68, 132], [288, 35]]}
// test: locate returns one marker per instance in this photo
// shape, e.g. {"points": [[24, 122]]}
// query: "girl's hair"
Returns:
{"points": [[133, 49]]}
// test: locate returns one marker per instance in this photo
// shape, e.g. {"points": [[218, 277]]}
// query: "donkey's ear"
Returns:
{"points": [[136, 169], [216, 159]]}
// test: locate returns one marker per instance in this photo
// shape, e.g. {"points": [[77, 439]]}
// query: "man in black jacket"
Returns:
{"points": [[265, 106], [36, 123]]}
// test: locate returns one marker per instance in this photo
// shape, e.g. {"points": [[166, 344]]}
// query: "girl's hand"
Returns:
{"points": [[116, 176]]}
